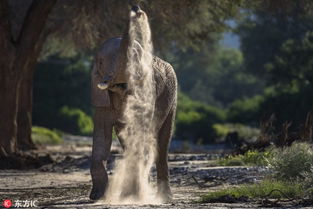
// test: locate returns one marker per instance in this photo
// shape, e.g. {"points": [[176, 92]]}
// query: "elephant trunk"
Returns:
{"points": [[122, 56], [121, 62], [125, 39]]}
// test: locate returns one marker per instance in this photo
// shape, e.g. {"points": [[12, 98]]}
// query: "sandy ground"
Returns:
{"points": [[67, 183]]}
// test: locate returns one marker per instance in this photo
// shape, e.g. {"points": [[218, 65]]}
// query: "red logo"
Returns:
{"points": [[7, 203]]}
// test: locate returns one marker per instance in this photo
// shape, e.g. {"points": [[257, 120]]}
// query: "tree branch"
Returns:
{"points": [[34, 23]]}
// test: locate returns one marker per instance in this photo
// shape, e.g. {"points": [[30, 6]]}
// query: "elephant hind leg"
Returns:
{"points": [[164, 138]]}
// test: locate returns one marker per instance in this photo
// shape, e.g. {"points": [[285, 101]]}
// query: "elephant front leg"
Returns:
{"points": [[102, 140]]}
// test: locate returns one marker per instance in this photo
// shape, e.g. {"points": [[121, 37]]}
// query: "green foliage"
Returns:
{"points": [[277, 45], [291, 72], [294, 162], [288, 163], [213, 75], [230, 81], [245, 110], [259, 190], [221, 130], [307, 181], [276, 48], [264, 32], [288, 105], [292, 67], [194, 120], [75, 121], [244, 132], [41, 135], [251, 157], [231, 161], [292, 167], [60, 82], [195, 24], [257, 157]]}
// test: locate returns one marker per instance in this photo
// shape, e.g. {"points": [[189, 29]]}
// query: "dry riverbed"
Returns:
{"points": [[66, 183]]}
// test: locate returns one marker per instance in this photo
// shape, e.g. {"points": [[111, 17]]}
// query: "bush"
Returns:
{"points": [[41, 135], [75, 121], [244, 132], [259, 190], [294, 162], [60, 82], [245, 110], [194, 120], [249, 158], [293, 173], [288, 163]]}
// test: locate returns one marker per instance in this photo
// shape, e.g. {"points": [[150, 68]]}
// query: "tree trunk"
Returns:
{"points": [[17, 61], [24, 114], [25, 101], [8, 112]]}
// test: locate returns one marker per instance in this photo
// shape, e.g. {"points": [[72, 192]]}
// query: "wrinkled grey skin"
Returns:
{"points": [[110, 66]]}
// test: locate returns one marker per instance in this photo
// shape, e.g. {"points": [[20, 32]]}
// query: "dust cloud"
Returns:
{"points": [[130, 182]]}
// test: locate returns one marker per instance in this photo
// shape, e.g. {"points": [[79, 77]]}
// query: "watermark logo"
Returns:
{"points": [[25, 203], [7, 203], [20, 203]]}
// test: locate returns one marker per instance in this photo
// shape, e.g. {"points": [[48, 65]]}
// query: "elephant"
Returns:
{"points": [[109, 91]]}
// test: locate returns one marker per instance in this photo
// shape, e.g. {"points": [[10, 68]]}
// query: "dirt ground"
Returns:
{"points": [[67, 183]]}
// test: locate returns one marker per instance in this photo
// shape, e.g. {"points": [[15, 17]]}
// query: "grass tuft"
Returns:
{"points": [[259, 190]]}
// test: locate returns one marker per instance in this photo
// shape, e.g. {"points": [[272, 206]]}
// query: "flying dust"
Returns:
{"points": [[130, 181]]}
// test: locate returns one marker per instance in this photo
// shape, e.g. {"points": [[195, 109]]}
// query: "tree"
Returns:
{"points": [[195, 120], [19, 54], [26, 25], [214, 75], [276, 41], [266, 26]]}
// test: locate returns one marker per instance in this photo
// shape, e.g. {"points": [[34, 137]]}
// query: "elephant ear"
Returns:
{"points": [[99, 98]]}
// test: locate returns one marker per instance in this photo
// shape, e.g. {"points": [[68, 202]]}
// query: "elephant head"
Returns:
{"points": [[111, 63]]}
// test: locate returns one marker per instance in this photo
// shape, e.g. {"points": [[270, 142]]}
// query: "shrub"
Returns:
{"points": [[294, 162], [257, 158], [249, 158], [244, 132], [292, 167], [61, 82], [41, 135], [245, 110], [308, 181], [75, 121], [232, 161], [194, 120]]}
